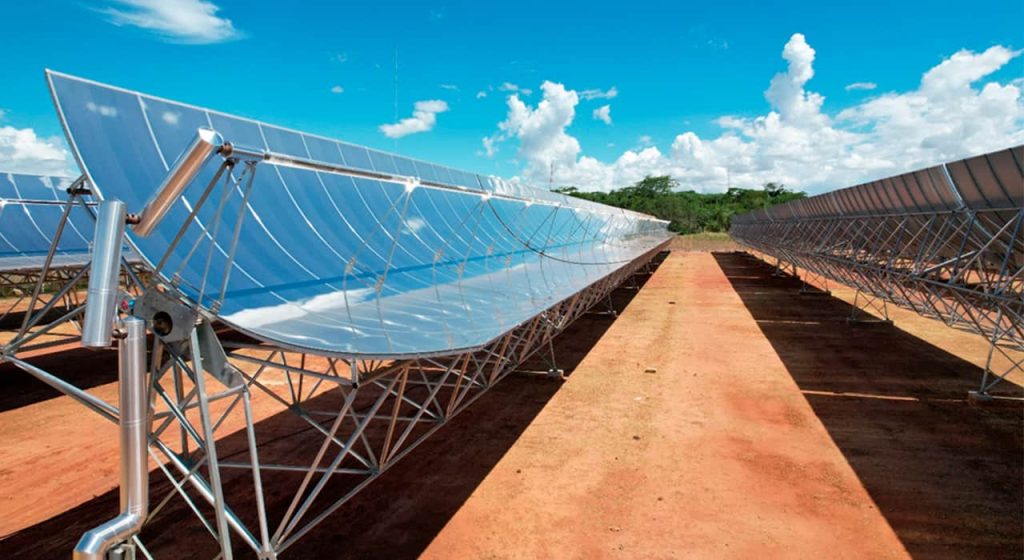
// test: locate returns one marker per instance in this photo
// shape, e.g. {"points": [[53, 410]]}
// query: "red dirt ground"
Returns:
{"points": [[768, 428]]}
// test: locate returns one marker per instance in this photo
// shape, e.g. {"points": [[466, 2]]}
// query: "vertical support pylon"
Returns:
{"points": [[609, 308], [809, 289], [553, 370], [134, 414], [862, 303], [212, 460], [784, 268], [992, 376]]}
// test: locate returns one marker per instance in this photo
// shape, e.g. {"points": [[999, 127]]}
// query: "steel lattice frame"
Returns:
{"points": [[25, 279], [964, 265], [53, 294], [365, 413], [18, 285]]}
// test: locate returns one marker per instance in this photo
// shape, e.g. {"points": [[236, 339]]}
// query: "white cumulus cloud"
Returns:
{"points": [[953, 113], [183, 21], [23, 151], [543, 141], [337, 89], [423, 119], [786, 92], [604, 114]]}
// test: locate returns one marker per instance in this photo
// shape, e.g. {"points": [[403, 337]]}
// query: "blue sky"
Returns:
{"points": [[676, 68]]}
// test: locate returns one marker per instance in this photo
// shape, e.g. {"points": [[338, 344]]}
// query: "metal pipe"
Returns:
{"points": [[134, 424], [205, 143], [135, 416], [42, 202], [101, 300], [285, 160], [100, 406]]}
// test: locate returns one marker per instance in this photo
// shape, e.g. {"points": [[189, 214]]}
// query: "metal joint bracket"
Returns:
{"points": [[167, 316]]}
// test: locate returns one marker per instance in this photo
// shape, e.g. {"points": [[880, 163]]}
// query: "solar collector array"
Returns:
{"points": [[30, 210], [988, 182], [338, 263], [990, 186], [991, 182]]}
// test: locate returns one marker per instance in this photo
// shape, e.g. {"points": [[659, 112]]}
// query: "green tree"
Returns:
{"points": [[688, 211], [774, 189]]}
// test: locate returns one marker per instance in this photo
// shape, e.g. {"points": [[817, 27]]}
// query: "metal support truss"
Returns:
{"points": [[50, 303], [353, 419], [868, 308], [784, 268], [17, 288], [993, 376], [813, 284], [29, 284], [607, 309], [963, 267]]}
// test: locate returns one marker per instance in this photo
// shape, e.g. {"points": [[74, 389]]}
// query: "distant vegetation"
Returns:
{"points": [[688, 211]]}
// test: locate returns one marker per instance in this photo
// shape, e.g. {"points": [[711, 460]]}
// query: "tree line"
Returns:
{"points": [[688, 211]]}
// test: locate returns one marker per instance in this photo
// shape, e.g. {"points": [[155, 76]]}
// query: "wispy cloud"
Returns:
{"points": [[719, 44], [340, 58], [705, 38], [423, 119], [589, 94], [337, 89], [490, 146], [180, 21], [103, 110], [861, 86], [603, 114], [513, 88], [170, 117], [451, 87], [481, 94]]}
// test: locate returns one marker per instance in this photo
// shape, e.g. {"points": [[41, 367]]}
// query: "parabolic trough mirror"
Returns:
{"points": [[945, 241], [385, 293], [46, 229]]}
